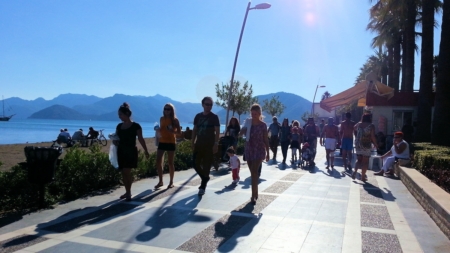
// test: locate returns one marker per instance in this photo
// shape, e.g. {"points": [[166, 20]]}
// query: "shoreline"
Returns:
{"points": [[12, 154]]}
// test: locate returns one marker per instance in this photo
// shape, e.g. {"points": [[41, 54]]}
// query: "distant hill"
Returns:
{"points": [[148, 109], [59, 112]]}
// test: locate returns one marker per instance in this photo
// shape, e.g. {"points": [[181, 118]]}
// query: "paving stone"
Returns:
{"points": [[215, 235], [292, 177], [89, 218], [197, 181], [375, 217], [379, 242], [371, 196], [278, 187], [158, 194], [20, 242], [72, 247]]}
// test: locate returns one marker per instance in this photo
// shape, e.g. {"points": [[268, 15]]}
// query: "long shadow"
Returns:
{"points": [[332, 173], [376, 192], [227, 188], [247, 183], [169, 217], [227, 230]]}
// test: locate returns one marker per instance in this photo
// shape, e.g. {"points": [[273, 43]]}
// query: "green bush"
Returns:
{"points": [[80, 172], [433, 162]]}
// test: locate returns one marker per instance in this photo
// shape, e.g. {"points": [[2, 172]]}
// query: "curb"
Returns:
{"points": [[433, 199]]}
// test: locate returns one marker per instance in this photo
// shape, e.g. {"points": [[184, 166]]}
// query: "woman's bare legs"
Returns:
{"points": [[364, 166], [159, 167], [127, 179], [253, 166], [357, 165], [170, 160]]}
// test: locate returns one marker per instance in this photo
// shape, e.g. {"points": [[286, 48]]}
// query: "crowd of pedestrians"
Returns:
{"points": [[259, 139]]}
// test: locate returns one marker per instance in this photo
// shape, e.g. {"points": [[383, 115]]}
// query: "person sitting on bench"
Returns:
{"points": [[79, 136], [64, 137], [400, 150]]}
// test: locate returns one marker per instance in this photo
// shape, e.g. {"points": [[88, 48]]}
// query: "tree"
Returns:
{"points": [[440, 132], [307, 115], [274, 107], [423, 133], [325, 95], [241, 97]]}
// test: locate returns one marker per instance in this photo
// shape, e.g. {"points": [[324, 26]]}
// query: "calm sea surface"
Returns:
{"points": [[39, 130]]}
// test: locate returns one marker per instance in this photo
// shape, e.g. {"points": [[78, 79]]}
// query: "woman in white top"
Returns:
{"points": [[400, 150]]}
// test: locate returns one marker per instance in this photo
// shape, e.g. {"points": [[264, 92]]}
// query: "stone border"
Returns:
{"points": [[431, 197]]}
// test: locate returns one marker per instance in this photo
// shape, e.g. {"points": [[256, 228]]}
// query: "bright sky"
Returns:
{"points": [[180, 48]]}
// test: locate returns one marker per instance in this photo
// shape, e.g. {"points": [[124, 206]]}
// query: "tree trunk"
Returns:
{"points": [[409, 44], [441, 133], [390, 57], [423, 133], [396, 68]]}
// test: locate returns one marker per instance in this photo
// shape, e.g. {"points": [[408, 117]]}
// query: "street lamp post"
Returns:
{"points": [[257, 7], [312, 108]]}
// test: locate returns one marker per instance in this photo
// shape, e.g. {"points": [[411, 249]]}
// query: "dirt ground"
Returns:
{"points": [[11, 154]]}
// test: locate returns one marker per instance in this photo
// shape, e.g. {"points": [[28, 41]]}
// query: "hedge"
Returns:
{"points": [[434, 162]]}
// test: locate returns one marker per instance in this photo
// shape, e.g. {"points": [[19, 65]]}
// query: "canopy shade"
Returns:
{"points": [[357, 92]]}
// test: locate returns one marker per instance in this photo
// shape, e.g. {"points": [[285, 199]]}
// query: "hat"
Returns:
{"points": [[274, 118], [305, 144], [399, 134]]}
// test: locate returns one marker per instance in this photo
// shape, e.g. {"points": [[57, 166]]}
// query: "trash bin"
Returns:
{"points": [[41, 163]]}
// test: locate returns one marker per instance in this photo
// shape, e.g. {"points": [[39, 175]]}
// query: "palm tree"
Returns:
{"points": [[426, 72], [325, 95], [409, 43], [441, 134]]}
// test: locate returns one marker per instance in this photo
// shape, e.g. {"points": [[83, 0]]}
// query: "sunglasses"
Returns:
{"points": [[167, 109], [207, 104]]}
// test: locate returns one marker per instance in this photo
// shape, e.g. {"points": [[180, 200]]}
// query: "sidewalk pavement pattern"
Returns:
{"points": [[297, 211]]}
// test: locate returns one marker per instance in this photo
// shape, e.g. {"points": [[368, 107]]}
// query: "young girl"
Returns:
{"points": [[235, 164], [306, 153], [295, 143]]}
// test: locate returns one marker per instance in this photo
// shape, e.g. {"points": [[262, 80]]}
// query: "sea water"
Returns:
{"points": [[45, 130]]}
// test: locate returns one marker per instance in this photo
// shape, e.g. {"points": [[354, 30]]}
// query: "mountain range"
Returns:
{"points": [[149, 109]]}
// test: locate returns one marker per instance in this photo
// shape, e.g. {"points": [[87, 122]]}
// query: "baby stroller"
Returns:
{"points": [[306, 156]]}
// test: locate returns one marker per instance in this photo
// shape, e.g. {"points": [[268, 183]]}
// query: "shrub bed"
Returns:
{"points": [[81, 172], [433, 162]]}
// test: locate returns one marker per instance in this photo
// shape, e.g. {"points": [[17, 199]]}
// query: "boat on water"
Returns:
{"points": [[3, 117]]}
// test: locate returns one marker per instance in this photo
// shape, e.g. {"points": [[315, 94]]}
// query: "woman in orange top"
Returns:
{"points": [[169, 130]]}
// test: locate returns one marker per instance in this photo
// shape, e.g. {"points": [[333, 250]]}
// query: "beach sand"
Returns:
{"points": [[12, 154]]}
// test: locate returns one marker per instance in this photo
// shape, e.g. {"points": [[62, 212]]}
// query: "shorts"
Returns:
{"points": [[166, 146], [330, 144], [363, 152], [347, 144]]}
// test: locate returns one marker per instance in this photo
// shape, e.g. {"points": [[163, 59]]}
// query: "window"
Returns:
{"points": [[400, 118]]}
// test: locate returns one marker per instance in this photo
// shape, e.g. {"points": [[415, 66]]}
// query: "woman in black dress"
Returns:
{"points": [[233, 130], [127, 152]]}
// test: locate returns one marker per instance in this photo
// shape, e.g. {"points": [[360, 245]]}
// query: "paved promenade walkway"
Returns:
{"points": [[297, 211]]}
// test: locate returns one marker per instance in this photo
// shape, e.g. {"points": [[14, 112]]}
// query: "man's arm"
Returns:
{"points": [[216, 139]]}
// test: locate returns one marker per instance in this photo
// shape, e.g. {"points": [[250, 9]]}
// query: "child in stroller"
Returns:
{"points": [[307, 154]]}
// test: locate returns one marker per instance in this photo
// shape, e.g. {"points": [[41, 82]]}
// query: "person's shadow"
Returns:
{"points": [[227, 230], [247, 183], [227, 188], [169, 217]]}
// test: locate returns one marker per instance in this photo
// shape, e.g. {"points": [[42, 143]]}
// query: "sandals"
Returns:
{"points": [[159, 185], [126, 196], [354, 175], [170, 186]]}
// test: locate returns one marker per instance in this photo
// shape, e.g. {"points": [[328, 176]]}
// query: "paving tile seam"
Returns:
{"points": [[372, 204], [379, 230]]}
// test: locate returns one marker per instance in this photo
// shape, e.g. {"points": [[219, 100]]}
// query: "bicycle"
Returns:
{"points": [[101, 138]]}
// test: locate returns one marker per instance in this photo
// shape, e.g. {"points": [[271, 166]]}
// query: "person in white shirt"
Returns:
{"points": [[400, 150], [235, 164]]}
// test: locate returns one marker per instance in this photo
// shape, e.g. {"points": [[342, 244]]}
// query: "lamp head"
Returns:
{"points": [[262, 6]]}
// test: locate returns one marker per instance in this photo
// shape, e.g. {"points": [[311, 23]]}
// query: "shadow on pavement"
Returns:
{"points": [[227, 188], [247, 183], [169, 217]]}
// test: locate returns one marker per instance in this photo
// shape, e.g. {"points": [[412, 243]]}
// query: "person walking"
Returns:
{"points": [[346, 137], [274, 130], [233, 130], [311, 132], [169, 130], [235, 165], [364, 138], [331, 133], [205, 141], [285, 133], [256, 146], [127, 152]]}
